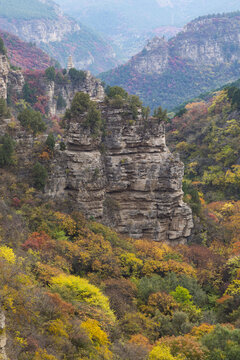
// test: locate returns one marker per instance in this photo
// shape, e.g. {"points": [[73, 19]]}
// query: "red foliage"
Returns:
{"points": [[25, 55], [38, 241]]}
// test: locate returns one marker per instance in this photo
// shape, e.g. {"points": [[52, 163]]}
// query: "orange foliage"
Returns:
{"points": [[201, 330], [38, 241]]}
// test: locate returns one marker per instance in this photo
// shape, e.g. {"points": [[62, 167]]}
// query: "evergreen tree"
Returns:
{"points": [[6, 150], [50, 142], [39, 176]]}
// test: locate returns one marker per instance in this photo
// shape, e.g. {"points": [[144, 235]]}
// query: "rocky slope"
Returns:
{"points": [[56, 33], [128, 180], [203, 56], [3, 338]]}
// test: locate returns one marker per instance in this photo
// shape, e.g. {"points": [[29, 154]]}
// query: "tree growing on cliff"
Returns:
{"points": [[160, 114], [39, 176], [6, 150], [50, 142], [32, 120], [80, 104], [50, 73], [2, 47], [4, 111]]}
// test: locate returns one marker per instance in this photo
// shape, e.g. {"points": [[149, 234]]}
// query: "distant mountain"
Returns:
{"points": [[127, 24], [205, 55], [25, 55], [42, 22]]}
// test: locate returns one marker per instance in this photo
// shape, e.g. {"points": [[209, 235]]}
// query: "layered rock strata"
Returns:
{"points": [[128, 179]]}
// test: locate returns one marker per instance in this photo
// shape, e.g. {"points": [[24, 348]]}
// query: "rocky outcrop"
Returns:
{"points": [[209, 41], [128, 180], [9, 79], [4, 70], [89, 85], [153, 58], [3, 338]]}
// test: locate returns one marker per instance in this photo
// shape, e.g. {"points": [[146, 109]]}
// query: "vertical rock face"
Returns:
{"points": [[128, 180], [153, 58], [3, 339], [9, 79], [4, 70], [90, 85]]}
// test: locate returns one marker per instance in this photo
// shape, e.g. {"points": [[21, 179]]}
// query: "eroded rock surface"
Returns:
{"points": [[128, 179], [3, 338]]}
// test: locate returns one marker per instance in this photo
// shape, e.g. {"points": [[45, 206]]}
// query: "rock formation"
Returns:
{"points": [[9, 79], [3, 338], [90, 85], [4, 70], [128, 179]]}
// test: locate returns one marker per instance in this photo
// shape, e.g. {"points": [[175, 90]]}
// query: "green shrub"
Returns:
{"points": [[50, 73], [4, 111], [61, 103], [32, 120], [6, 150], [2, 47], [50, 142], [77, 76], [39, 176]]}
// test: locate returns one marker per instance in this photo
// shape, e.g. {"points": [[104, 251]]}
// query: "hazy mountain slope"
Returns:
{"points": [[42, 22], [127, 23], [203, 56], [25, 55]]}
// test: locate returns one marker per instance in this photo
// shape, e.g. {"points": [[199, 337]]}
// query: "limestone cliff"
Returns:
{"points": [[128, 179], [3, 339], [9, 78], [4, 70], [89, 85]]}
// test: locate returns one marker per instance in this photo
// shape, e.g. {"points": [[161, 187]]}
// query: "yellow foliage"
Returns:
{"points": [[43, 355], [95, 333], [201, 330], [150, 249], [162, 352], [7, 254], [67, 223], [131, 265], [75, 289], [58, 328]]}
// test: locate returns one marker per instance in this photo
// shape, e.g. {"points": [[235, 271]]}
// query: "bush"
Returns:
{"points": [[114, 91], [4, 111], [80, 104], [75, 289], [94, 120], [77, 76], [61, 103], [6, 150], [50, 73], [40, 176], [50, 142], [32, 120], [2, 47]]}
